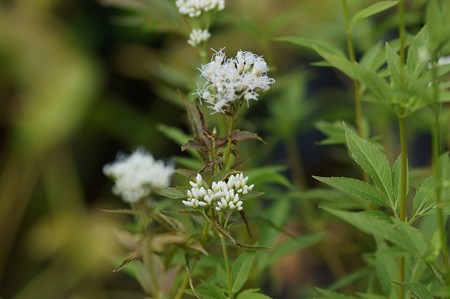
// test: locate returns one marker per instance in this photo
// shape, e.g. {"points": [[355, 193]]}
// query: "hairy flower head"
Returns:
{"points": [[194, 8], [230, 80], [137, 175]]}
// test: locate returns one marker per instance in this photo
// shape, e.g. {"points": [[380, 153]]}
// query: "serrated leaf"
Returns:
{"points": [[354, 187], [372, 10], [423, 200], [210, 291], [252, 294], [240, 270], [397, 232], [418, 290], [371, 160]]}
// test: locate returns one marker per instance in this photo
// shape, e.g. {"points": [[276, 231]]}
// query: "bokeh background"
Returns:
{"points": [[82, 80]]}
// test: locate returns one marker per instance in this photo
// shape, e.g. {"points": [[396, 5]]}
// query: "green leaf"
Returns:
{"points": [[174, 134], [294, 245], [393, 61], [373, 58], [209, 290], [423, 200], [354, 187], [418, 289], [268, 175], [371, 160], [338, 61], [373, 81], [372, 10], [252, 294], [241, 270], [397, 232], [334, 131], [221, 276], [385, 265], [244, 135], [312, 44], [173, 193]]}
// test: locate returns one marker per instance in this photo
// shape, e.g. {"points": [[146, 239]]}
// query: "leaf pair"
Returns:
{"points": [[375, 164]]}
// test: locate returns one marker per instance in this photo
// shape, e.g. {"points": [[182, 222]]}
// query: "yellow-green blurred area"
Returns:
{"points": [[82, 80]]}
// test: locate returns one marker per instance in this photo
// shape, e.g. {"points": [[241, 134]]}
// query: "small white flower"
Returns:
{"points": [[194, 8], [233, 79], [137, 175], [225, 195], [198, 36]]}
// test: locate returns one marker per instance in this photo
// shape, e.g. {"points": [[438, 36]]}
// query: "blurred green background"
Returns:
{"points": [[82, 80]]}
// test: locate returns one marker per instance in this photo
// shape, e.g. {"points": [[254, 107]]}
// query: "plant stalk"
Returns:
{"points": [[228, 149], [227, 265], [352, 57], [403, 144], [437, 175], [141, 213], [403, 194]]}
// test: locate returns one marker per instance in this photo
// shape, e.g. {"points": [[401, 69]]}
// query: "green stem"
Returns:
{"points": [[403, 194], [182, 287], [141, 212], [229, 148], [403, 143], [356, 87], [437, 175], [295, 162], [227, 265], [401, 34], [352, 57]]}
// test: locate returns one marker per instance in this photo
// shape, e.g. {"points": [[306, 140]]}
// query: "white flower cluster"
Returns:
{"points": [[137, 175], [229, 80], [224, 195], [194, 8], [198, 36]]}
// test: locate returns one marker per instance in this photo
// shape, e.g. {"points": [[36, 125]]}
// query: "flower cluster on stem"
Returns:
{"points": [[223, 195], [228, 81], [198, 36], [137, 175], [194, 8]]}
